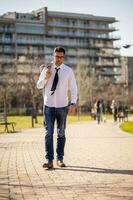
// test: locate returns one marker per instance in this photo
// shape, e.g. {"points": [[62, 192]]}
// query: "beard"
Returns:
{"points": [[58, 63]]}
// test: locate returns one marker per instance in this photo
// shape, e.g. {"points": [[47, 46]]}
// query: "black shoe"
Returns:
{"points": [[60, 163], [48, 165]]}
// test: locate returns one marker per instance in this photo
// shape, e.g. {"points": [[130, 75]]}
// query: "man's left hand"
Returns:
{"points": [[72, 109]]}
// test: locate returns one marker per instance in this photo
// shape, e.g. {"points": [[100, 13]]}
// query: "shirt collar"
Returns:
{"points": [[59, 67]]}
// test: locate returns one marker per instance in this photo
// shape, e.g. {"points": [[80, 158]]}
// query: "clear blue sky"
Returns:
{"points": [[122, 10]]}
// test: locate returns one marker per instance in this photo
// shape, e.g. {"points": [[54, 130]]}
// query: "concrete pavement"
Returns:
{"points": [[99, 161]]}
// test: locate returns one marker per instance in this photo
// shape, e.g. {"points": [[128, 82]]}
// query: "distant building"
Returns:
{"points": [[28, 39], [124, 70], [130, 72], [127, 71]]}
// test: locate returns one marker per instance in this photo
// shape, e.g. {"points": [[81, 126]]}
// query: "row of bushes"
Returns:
{"points": [[30, 112], [20, 111]]}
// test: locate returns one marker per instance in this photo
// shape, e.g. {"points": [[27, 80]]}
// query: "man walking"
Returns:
{"points": [[56, 81]]}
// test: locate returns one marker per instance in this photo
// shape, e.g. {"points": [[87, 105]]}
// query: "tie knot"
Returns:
{"points": [[57, 69]]}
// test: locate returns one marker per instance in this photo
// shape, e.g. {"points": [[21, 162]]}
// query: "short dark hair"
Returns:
{"points": [[59, 49]]}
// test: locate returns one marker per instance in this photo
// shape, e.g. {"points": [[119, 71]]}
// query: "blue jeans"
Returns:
{"points": [[98, 116], [51, 115]]}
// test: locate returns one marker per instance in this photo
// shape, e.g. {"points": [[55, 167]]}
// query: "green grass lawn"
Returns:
{"points": [[24, 122], [127, 126]]}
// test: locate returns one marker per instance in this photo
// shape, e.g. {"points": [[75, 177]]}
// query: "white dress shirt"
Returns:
{"points": [[66, 82]]}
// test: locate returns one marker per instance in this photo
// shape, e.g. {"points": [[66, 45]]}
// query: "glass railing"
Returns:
{"points": [[6, 29], [107, 64], [8, 50], [25, 51], [23, 41], [66, 43], [5, 60], [81, 25], [28, 30], [110, 73], [86, 35], [6, 40]]}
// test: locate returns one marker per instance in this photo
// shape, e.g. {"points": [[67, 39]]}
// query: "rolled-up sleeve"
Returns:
{"points": [[73, 87]]}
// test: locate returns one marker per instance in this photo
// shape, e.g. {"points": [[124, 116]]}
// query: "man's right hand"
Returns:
{"points": [[48, 73]]}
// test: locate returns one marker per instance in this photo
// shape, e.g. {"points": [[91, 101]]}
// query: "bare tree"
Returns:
{"points": [[7, 87], [32, 76], [92, 86]]}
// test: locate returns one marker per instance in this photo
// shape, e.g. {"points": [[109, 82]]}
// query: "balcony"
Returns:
{"points": [[30, 29], [26, 52], [6, 30], [110, 73], [98, 46], [82, 35], [7, 51], [35, 42], [81, 26], [108, 55], [107, 64], [6, 40], [66, 43], [6, 60]]}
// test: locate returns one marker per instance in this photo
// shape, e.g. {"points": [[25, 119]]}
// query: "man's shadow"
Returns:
{"points": [[96, 170]]}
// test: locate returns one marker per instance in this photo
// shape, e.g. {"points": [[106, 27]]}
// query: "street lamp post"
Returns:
{"points": [[126, 46]]}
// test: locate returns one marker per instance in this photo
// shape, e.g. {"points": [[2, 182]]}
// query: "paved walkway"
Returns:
{"points": [[99, 162]]}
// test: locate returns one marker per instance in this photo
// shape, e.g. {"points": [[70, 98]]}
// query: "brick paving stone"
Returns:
{"points": [[98, 157]]}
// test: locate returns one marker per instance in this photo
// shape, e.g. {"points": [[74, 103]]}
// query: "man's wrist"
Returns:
{"points": [[72, 104]]}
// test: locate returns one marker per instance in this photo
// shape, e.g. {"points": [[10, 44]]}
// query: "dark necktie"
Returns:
{"points": [[55, 81]]}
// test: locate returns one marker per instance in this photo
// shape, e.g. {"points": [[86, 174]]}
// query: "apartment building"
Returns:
{"points": [[130, 73], [28, 39]]}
